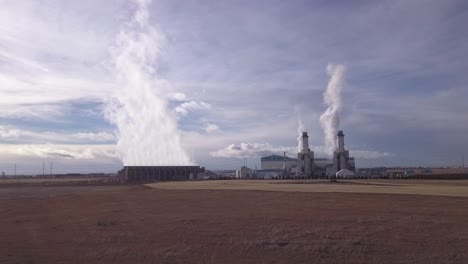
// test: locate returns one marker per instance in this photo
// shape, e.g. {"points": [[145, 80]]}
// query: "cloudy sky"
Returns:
{"points": [[237, 78]]}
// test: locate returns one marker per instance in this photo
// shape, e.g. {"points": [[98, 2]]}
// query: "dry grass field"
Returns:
{"points": [[421, 187], [137, 224], [24, 181]]}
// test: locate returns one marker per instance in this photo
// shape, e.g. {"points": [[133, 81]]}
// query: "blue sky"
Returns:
{"points": [[241, 74]]}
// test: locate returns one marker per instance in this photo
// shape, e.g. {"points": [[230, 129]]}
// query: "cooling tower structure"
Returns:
{"points": [[142, 174], [341, 158], [305, 158]]}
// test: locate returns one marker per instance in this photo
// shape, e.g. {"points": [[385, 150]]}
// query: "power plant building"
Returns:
{"points": [[341, 158], [307, 166], [277, 162], [159, 173], [244, 173], [305, 158]]}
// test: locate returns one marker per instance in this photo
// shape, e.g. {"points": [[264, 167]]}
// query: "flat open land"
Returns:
{"points": [[137, 224], [422, 187], [45, 180]]}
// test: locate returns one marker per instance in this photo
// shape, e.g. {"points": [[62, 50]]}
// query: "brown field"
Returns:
{"points": [[421, 187], [23, 181], [137, 224]]}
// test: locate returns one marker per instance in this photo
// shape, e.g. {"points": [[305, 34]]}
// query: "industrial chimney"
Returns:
{"points": [[341, 141], [305, 142]]}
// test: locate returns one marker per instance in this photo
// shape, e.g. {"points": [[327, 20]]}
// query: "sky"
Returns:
{"points": [[235, 78]]}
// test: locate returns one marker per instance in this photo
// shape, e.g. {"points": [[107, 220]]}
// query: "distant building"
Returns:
{"points": [[269, 174], [159, 173], [244, 173], [323, 167], [277, 162]]}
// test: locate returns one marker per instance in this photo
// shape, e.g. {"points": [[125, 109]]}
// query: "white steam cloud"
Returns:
{"points": [[330, 119], [147, 130], [300, 129]]}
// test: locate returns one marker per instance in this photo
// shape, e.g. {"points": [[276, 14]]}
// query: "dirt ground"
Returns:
{"points": [[421, 187], [137, 224]]}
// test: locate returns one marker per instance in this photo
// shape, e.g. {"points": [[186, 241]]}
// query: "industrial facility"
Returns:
{"points": [[341, 159], [159, 173], [306, 165]]}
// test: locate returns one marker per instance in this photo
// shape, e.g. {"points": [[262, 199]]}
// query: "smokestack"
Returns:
{"points": [[341, 141], [305, 142], [284, 160]]}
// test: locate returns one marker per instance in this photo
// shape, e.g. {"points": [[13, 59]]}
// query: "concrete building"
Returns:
{"points": [[244, 173], [269, 174], [277, 162], [305, 159], [341, 158], [323, 167], [159, 173]]}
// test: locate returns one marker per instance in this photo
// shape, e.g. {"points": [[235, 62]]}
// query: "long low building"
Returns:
{"points": [[159, 173], [277, 162]]}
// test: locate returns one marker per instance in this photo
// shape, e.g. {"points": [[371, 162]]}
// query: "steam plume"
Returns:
{"points": [[330, 119], [147, 130], [300, 129]]}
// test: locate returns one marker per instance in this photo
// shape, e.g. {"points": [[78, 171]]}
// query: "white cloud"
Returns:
{"points": [[50, 56], [57, 52], [369, 154], [34, 111], [59, 151], [251, 150], [40, 89], [9, 134], [211, 128], [100, 136], [191, 106], [255, 150], [177, 97]]}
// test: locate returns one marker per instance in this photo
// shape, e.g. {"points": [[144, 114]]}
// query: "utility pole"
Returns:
{"points": [[15, 170], [51, 169], [43, 169]]}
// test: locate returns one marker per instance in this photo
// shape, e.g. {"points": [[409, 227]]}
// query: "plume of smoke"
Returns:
{"points": [[300, 129], [147, 131], [330, 119]]}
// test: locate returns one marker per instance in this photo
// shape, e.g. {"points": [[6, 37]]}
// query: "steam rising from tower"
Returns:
{"points": [[147, 130], [330, 120], [300, 129]]}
